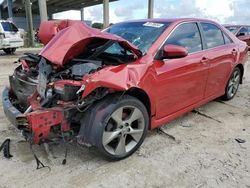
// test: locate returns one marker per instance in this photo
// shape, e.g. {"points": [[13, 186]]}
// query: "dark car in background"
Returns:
{"points": [[240, 31]]}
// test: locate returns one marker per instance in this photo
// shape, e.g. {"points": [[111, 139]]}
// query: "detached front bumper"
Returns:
{"points": [[38, 123], [10, 111]]}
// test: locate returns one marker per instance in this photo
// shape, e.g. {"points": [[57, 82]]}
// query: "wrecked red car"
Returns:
{"points": [[108, 88]]}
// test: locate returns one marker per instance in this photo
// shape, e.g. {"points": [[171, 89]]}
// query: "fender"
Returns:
{"points": [[119, 78]]}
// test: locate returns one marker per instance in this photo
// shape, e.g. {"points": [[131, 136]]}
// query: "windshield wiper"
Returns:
{"points": [[101, 49]]}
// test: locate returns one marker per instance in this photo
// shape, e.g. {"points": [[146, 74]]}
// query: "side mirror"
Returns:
{"points": [[171, 51], [241, 34]]}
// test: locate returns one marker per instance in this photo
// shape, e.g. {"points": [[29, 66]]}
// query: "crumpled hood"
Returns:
{"points": [[73, 40]]}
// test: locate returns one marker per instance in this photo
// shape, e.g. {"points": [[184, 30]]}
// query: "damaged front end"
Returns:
{"points": [[49, 92]]}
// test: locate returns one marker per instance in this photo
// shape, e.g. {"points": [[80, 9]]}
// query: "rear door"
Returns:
{"points": [[180, 83], [222, 53]]}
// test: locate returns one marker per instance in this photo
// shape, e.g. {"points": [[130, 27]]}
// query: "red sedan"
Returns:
{"points": [[109, 88]]}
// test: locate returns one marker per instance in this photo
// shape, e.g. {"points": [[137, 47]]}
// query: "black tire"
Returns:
{"points": [[232, 84], [9, 50], [98, 121]]}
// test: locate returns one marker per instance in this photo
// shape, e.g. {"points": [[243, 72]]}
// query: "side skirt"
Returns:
{"points": [[155, 123]]}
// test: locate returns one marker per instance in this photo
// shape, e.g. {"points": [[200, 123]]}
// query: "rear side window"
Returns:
{"points": [[243, 31], [188, 36], [7, 26], [213, 35]]}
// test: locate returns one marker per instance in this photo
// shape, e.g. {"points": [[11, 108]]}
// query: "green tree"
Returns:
{"points": [[97, 25]]}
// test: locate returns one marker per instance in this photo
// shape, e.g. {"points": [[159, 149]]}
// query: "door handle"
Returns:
{"points": [[204, 60]]}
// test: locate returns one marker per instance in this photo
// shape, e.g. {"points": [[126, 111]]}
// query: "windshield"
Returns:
{"points": [[7, 26], [233, 29], [141, 34]]}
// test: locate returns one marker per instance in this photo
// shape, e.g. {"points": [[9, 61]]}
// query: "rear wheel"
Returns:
{"points": [[9, 50], [233, 84], [122, 127]]}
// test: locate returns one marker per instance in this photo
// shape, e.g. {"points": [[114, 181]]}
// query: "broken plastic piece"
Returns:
{"points": [[239, 140], [6, 148], [39, 164]]}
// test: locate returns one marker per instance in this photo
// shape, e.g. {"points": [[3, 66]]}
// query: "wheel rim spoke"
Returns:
{"points": [[230, 90], [136, 134], [109, 136], [237, 79], [121, 147], [117, 116], [135, 115]]}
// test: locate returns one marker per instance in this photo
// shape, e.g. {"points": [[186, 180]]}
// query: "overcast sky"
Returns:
{"points": [[223, 11]]}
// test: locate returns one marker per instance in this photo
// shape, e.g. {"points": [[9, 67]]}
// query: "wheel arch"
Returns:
{"points": [[241, 67], [142, 96]]}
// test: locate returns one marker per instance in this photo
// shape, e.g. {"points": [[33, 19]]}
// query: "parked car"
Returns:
{"points": [[10, 38], [109, 88], [240, 31], [22, 32]]}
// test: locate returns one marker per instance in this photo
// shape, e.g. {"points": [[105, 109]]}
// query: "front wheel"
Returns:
{"points": [[233, 84], [122, 127], [9, 50]]}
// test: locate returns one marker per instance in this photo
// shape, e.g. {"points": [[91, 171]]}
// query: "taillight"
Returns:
{"points": [[2, 35]]}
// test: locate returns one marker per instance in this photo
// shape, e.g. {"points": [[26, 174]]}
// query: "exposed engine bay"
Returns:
{"points": [[24, 82]]}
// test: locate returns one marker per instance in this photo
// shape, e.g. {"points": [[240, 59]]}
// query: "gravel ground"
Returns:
{"points": [[203, 154]]}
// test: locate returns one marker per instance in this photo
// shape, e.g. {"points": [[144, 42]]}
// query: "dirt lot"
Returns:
{"points": [[204, 154]]}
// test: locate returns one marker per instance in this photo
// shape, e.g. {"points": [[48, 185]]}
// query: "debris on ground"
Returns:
{"points": [[6, 148], [239, 140], [160, 130], [205, 115]]}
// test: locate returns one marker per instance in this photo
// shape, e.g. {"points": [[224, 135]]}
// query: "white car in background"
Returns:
{"points": [[10, 38]]}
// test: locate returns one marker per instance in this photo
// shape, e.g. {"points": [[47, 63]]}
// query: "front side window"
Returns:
{"points": [[213, 35], [188, 36]]}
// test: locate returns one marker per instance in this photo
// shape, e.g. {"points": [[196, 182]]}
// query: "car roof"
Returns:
{"points": [[170, 20], [232, 25], [6, 21]]}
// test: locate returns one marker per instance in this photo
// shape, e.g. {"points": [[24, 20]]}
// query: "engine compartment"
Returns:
{"points": [[24, 81]]}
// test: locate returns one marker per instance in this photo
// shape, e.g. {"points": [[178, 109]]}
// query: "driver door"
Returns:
{"points": [[180, 83]]}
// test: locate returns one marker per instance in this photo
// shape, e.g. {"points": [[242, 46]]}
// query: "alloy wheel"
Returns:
{"points": [[123, 131], [233, 83]]}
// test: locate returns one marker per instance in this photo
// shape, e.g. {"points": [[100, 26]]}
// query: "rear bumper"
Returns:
{"points": [[4, 44], [38, 122]]}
